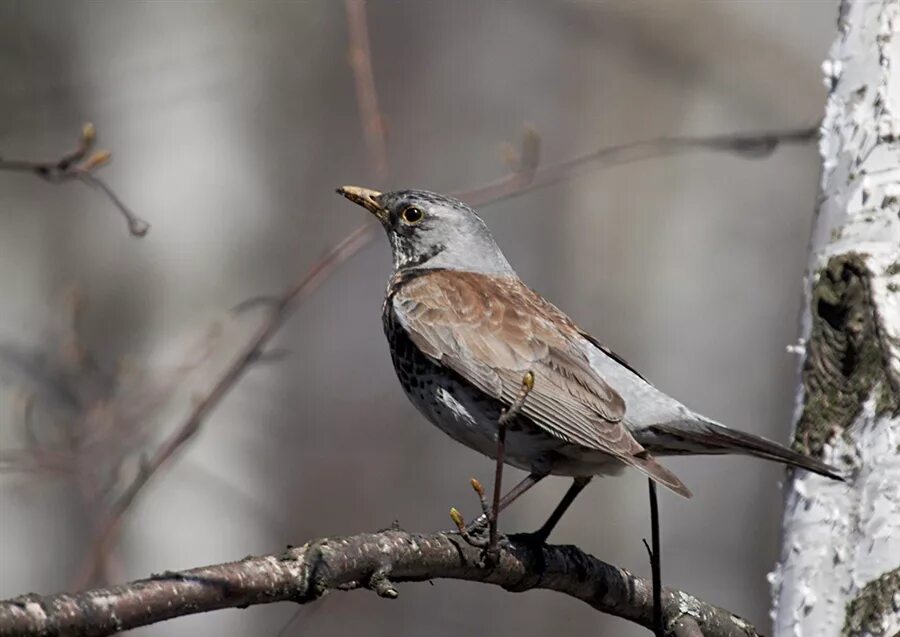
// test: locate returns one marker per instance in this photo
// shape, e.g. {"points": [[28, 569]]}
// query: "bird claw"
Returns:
{"points": [[535, 539], [478, 531]]}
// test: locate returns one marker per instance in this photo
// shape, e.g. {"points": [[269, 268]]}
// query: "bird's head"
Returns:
{"points": [[427, 230]]}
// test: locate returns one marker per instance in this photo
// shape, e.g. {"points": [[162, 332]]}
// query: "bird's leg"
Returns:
{"points": [[578, 484]]}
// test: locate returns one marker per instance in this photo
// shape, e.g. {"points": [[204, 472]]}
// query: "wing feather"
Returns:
{"points": [[492, 331]]}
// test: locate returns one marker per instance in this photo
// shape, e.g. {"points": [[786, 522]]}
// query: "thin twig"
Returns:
{"points": [[498, 481], [655, 563], [486, 514], [78, 165], [505, 418], [348, 247], [360, 56], [376, 561], [751, 145]]}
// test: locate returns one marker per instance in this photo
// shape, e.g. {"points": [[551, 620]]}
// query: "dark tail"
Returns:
{"points": [[704, 437], [658, 473]]}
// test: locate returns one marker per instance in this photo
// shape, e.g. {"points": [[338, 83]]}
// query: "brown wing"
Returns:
{"points": [[492, 330]]}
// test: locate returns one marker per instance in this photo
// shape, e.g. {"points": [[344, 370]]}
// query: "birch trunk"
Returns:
{"points": [[839, 571]]}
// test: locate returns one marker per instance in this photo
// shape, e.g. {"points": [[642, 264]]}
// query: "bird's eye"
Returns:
{"points": [[412, 215]]}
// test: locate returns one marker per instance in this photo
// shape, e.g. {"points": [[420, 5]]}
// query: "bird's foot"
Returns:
{"points": [[539, 537], [534, 539]]}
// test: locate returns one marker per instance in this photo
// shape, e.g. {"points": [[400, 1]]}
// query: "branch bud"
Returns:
{"points": [[457, 518], [88, 133], [96, 160]]}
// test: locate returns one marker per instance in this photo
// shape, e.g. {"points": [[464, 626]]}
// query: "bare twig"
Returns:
{"points": [[505, 418], [78, 165], [376, 561], [460, 522], [655, 562], [751, 145], [353, 243], [360, 56]]}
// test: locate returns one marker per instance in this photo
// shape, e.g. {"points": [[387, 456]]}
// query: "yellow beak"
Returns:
{"points": [[364, 197]]}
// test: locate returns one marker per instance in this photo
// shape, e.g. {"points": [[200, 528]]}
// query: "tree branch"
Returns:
{"points": [[77, 165], [360, 56], [750, 145], [376, 561]]}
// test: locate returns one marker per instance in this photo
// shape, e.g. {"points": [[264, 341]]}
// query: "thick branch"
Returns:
{"points": [[375, 561]]}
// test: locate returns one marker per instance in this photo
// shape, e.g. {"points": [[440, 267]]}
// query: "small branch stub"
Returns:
{"points": [[382, 586]]}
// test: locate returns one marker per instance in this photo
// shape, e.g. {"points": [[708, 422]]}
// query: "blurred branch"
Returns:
{"points": [[78, 165], [375, 561], [279, 309], [750, 145], [360, 57], [83, 418], [755, 144]]}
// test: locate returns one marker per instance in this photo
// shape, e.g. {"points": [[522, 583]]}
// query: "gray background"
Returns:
{"points": [[232, 123]]}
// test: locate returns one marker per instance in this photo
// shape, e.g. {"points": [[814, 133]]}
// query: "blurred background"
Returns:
{"points": [[231, 124]]}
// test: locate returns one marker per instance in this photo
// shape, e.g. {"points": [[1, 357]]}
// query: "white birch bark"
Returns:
{"points": [[839, 571]]}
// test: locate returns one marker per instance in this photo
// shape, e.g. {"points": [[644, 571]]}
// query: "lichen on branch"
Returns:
{"points": [[847, 361], [867, 612]]}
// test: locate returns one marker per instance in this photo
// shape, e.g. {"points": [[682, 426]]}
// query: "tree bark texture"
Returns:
{"points": [[839, 570], [376, 561]]}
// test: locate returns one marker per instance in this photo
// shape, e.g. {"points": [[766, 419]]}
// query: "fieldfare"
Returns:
{"points": [[464, 331]]}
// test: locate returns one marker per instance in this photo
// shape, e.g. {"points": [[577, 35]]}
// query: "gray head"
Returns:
{"points": [[427, 230]]}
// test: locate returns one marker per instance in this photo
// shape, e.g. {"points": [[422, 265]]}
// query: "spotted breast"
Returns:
{"points": [[462, 411]]}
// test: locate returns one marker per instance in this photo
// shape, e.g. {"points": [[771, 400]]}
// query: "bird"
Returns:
{"points": [[464, 331]]}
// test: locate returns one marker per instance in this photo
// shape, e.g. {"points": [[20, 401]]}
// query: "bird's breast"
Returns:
{"points": [[461, 410]]}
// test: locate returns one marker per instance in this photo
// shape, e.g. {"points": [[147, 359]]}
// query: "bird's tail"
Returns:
{"points": [[706, 437], [658, 473]]}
